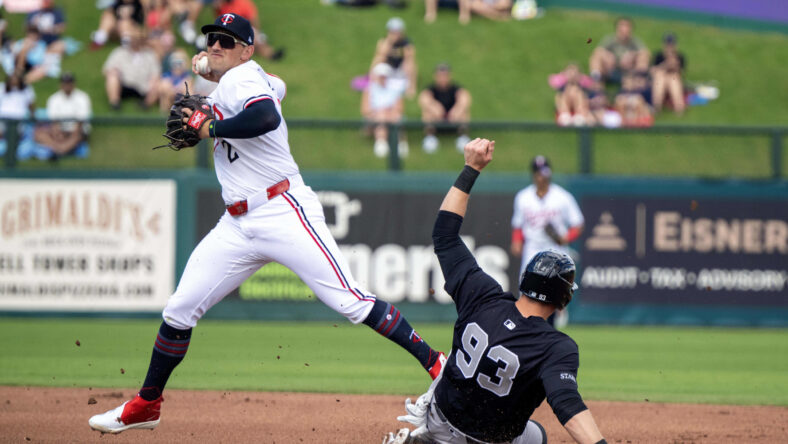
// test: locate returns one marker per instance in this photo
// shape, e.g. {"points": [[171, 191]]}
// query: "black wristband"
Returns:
{"points": [[466, 179], [211, 130], [601, 441]]}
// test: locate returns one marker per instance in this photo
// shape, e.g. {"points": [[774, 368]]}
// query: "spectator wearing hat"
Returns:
{"points": [[444, 101], [132, 71], [666, 75], [545, 217], [70, 109], [381, 103], [396, 50], [618, 54]]}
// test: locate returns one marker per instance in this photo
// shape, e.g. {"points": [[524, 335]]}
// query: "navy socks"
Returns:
{"points": [[168, 351], [389, 322]]}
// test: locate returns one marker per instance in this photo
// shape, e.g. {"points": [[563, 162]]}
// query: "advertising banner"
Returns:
{"points": [[386, 238], [687, 252], [86, 245]]}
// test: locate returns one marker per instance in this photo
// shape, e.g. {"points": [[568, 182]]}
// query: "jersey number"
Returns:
{"points": [[474, 344], [231, 156]]}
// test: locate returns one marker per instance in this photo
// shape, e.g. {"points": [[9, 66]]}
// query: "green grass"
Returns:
{"points": [[733, 366], [504, 65]]}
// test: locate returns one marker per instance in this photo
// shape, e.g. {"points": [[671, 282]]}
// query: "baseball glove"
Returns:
{"points": [[550, 230], [186, 135]]}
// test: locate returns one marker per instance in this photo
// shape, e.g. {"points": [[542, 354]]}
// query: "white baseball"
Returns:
{"points": [[202, 65]]}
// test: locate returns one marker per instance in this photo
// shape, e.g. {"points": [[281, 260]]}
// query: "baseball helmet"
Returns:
{"points": [[550, 278]]}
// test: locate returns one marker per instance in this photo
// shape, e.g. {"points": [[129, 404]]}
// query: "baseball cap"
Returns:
{"points": [[669, 38], [541, 165], [382, 69], [234, 25], [395, 24], [67, 77], [445, 67]]}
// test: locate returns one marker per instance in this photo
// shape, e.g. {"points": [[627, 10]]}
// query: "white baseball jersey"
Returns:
{"points": [[288, 228], [532, 213], [246, 167]]}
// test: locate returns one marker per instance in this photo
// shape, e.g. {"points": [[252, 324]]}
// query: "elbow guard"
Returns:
{"points": [[566, 404]]}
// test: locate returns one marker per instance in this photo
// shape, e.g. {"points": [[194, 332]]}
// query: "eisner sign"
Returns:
{"points": [[685, 251]]}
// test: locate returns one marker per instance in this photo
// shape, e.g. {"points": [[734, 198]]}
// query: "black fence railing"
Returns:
{"points": [[584, 135]]}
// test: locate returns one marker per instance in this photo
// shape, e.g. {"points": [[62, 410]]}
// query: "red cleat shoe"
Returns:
{"points": [[437, 368], [135, 414]]}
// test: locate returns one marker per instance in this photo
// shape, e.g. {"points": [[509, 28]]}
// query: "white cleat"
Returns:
{"points": [[134, 414]]}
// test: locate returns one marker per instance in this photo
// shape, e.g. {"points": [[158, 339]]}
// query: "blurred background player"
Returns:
{"points": [[546, 217], [505, 358], [444, 101]]}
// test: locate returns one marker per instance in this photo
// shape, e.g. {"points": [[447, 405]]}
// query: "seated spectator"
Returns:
{"points": [[50, 21], [666, 75], [122, 17], [444, 102], [572, 98], [17, 101], [175, 79], [500, 10], [132, 70], [397, 51], [158, 21], [632, 102], [72, 107], [381, 103], [618, 53], [187, 13], [32, 59], [463, 6]]}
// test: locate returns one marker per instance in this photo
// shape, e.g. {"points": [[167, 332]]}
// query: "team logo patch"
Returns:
{"points": [[197, 119], [509, 324], [227, 19]]}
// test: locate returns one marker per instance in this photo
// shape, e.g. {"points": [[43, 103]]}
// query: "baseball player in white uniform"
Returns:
{"points": [[545, 217], [272, 216]]}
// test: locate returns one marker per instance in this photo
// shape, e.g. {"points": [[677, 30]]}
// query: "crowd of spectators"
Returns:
{"points": [[145, 64], [625, 86], [444, 104]]}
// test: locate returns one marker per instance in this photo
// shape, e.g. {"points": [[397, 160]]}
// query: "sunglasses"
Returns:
{"points": [[225, 41]]}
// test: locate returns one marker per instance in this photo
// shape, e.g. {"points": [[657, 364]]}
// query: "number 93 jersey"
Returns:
{"points": [[502, 364], [245, 167]]}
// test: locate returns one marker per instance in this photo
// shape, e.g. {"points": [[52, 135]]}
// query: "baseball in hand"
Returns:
{"points": [[202, 65]]}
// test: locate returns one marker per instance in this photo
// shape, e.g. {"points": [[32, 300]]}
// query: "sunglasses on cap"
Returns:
{"points": [[225, 41]]}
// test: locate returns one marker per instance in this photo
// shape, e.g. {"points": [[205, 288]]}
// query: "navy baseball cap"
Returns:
{"points": [[234, 25], [541, 165]]}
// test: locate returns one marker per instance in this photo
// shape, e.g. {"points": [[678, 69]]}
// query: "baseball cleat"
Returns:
{"points": [[135, 414], [400, 438], [436, 368]]}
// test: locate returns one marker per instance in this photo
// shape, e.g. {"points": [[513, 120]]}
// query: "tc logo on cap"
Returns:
{"points": [[227, 19]]}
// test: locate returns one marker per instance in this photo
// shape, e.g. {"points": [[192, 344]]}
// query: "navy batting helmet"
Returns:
{"points": [[550, 278]]}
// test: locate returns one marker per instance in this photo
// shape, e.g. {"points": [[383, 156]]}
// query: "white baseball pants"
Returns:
{"points": [[289, 229]]}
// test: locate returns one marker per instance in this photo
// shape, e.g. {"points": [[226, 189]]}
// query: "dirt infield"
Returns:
{"points": [[61, 415]]}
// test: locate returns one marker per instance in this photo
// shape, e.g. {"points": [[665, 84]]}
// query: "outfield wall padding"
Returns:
{"points": [[654, 251]]}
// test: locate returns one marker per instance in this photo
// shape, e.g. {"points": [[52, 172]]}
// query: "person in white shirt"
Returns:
{"points": [[72, 107], [381, 103], [545, 216]]}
